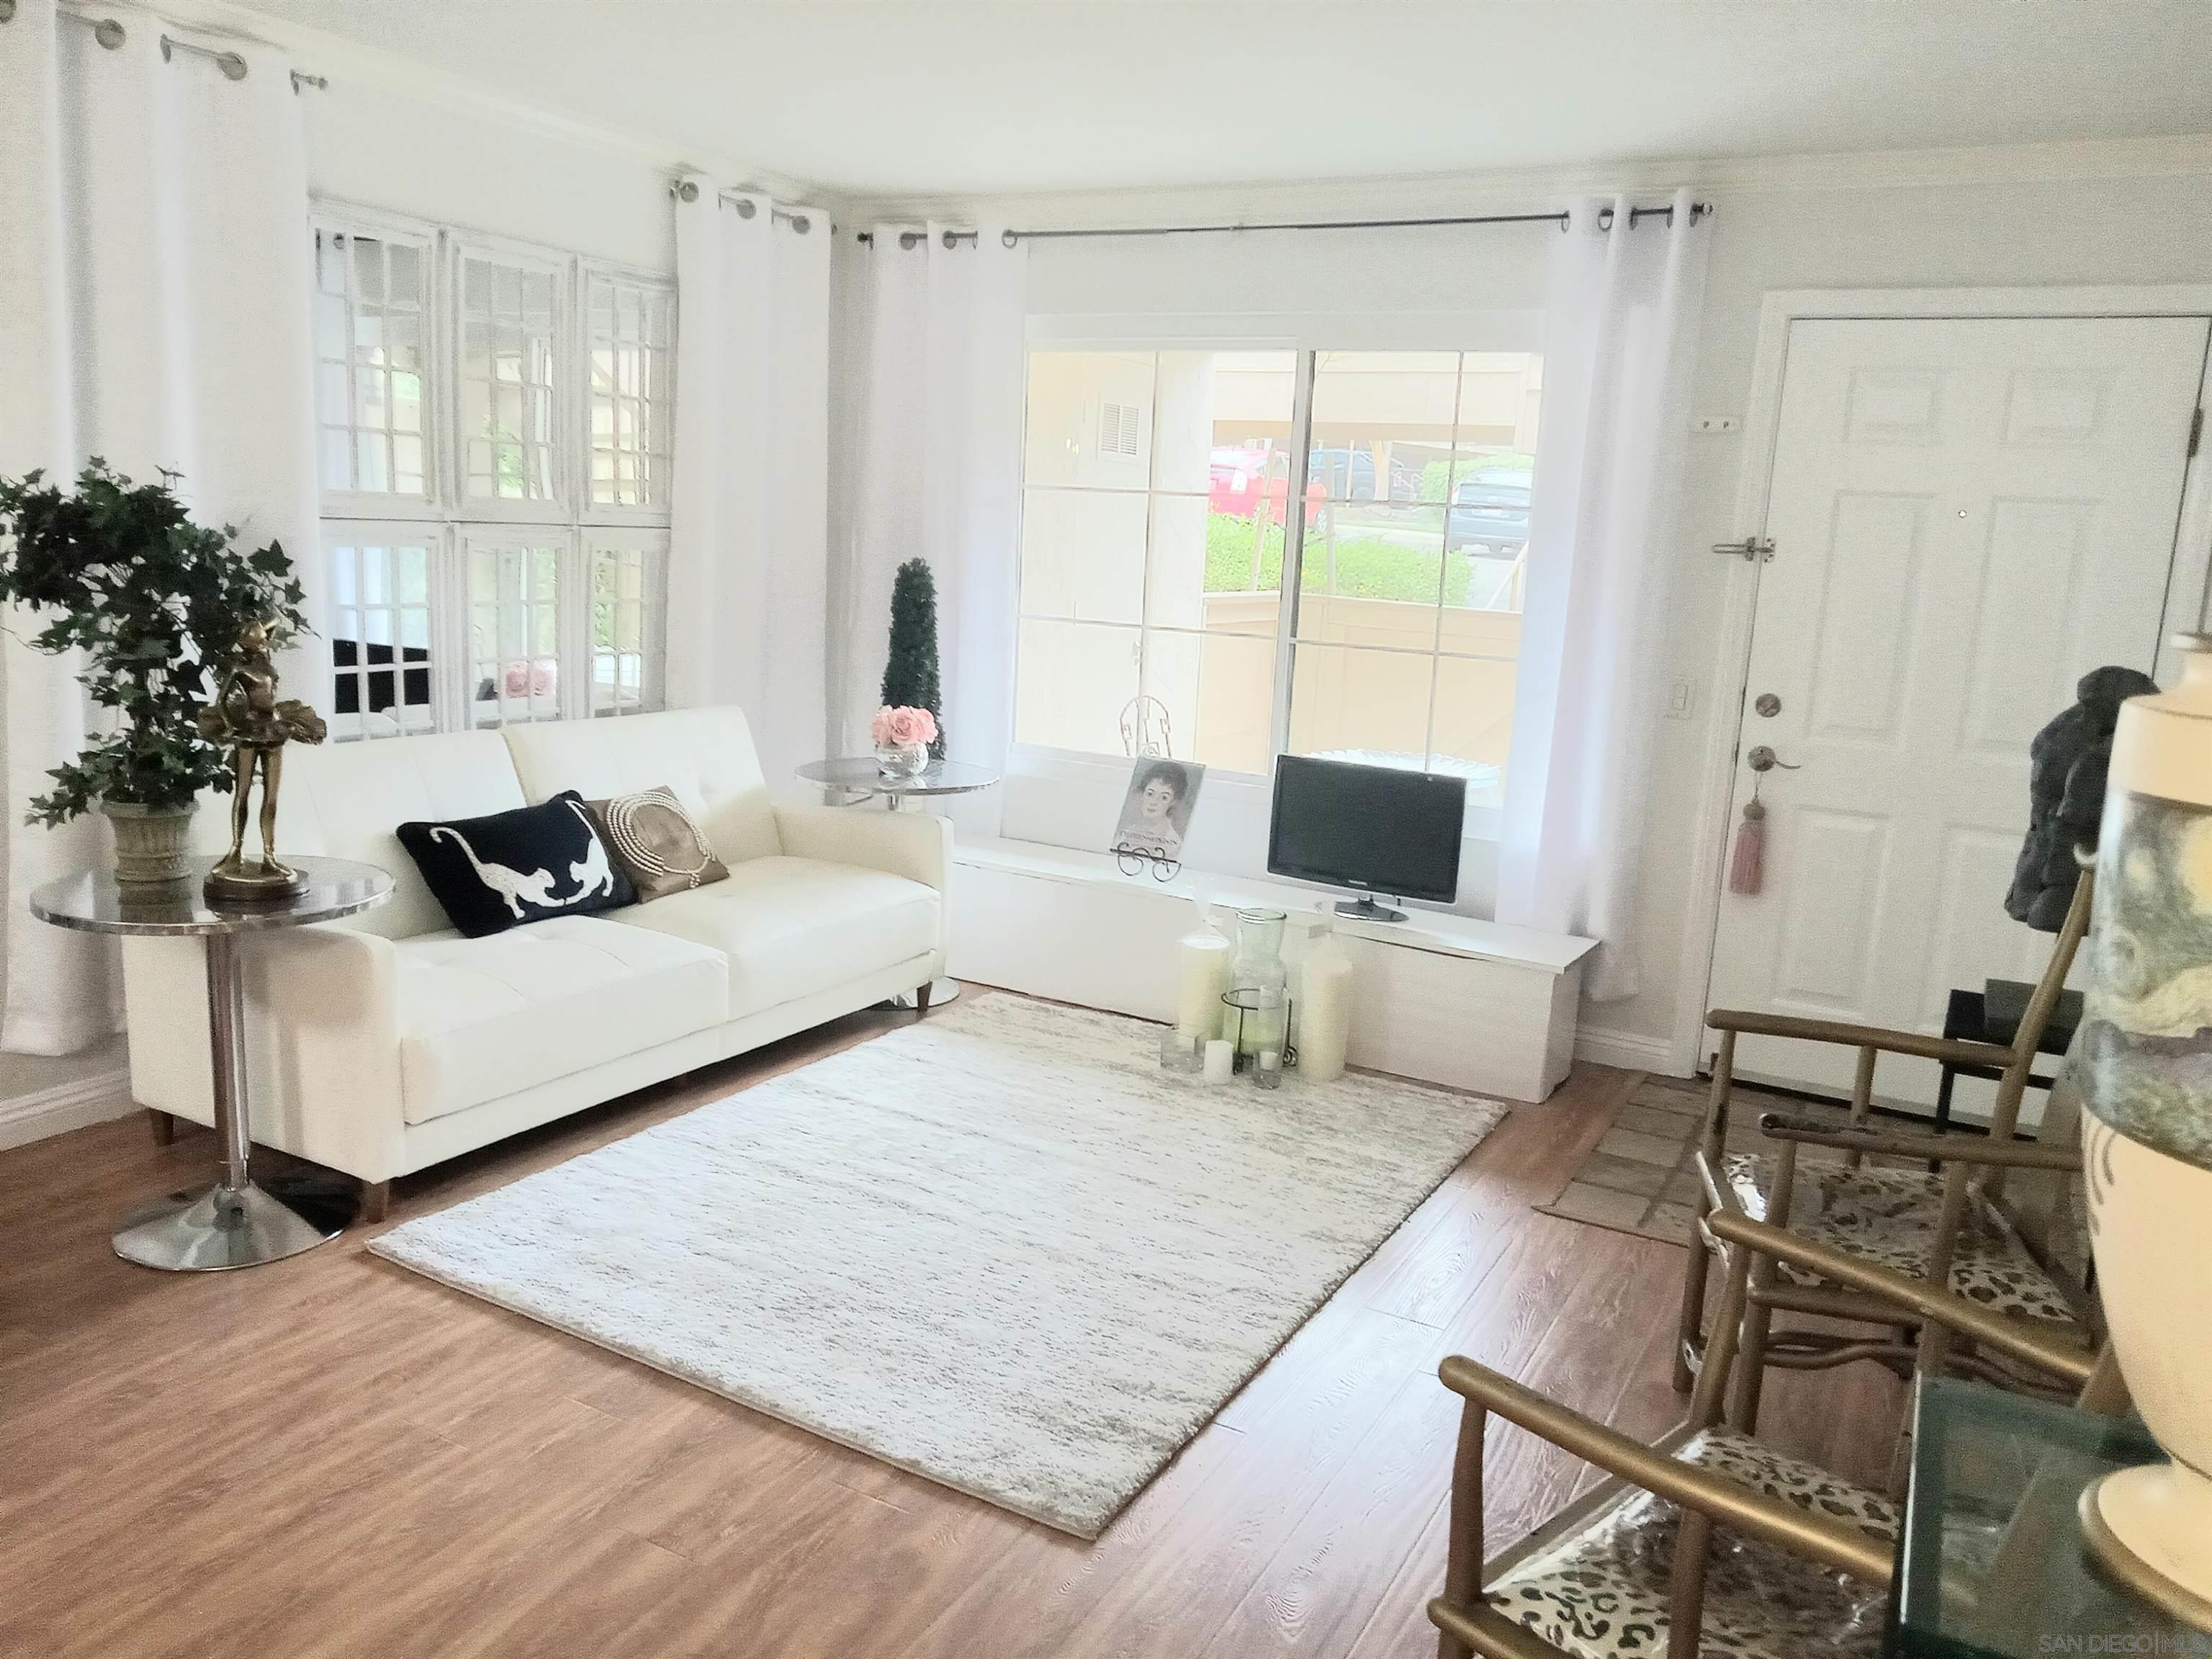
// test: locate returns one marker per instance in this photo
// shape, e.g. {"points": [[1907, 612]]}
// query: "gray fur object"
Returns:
{"points": [[2066, 794]]}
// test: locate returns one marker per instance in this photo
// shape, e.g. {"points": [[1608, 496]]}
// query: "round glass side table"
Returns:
{"points": [[857, 779], [235, 1223]]}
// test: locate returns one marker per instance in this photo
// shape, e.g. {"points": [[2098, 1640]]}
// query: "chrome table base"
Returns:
{"points": [[223, 1227], [234, 1224]]}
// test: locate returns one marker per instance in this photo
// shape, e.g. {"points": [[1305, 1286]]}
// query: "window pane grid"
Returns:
{"points": [[1410, 569], [631, 437], [514, 634], [507, 363], [370, 313], [382, 656], [553, 393], [621, 593]]}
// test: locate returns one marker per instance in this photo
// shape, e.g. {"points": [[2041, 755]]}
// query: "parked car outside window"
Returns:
{"points": [[1490, 510]]}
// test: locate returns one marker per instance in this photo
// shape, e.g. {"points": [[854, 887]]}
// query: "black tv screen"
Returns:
{"points": [[1376, 828]]}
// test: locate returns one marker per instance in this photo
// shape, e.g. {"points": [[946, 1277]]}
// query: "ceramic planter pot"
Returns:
{"points": [[2146, 1071], [153, 844]]}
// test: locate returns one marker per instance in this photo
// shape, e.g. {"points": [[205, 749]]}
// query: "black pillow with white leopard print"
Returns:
{"points": [[501, 870]]}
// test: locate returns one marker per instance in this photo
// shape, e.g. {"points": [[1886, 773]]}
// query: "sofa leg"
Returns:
{"points": [[922, 998], [375, 1202], [163, 1126]]}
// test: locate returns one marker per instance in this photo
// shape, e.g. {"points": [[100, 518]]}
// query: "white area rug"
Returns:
{"points": [[999, 1247]]}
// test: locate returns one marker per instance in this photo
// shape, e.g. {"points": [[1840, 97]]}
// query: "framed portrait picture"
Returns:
{"points": [[1156, 812]]}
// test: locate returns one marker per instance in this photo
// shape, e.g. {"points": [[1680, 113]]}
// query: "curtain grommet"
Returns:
{"points": [[745, 208]]}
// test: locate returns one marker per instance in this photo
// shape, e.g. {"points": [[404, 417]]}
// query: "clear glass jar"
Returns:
{"points": [[1257, 967]]}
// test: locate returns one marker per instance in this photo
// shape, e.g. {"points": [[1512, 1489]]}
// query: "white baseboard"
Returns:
{"points": [[65, 1106], [1631, 1051]]}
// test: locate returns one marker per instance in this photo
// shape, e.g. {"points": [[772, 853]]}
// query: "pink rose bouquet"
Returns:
{"points": [[901, 728]]}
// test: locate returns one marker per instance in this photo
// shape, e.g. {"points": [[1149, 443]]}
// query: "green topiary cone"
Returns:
{"points": [[910, 678]]}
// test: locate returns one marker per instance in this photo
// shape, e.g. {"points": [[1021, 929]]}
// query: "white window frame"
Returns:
{"points": [[390, 505], [357, 532], [498, 540], [450, 523], [559, 507], [652, 547], [1304, 333], [604, 270]]}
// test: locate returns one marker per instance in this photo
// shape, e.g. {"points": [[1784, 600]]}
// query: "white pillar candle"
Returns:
{"points": [[1324, 1015], [1220, 1060], [1201, 976]]}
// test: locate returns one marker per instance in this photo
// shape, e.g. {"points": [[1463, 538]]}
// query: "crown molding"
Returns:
{"points": [[1532, 189], [345, 61]]}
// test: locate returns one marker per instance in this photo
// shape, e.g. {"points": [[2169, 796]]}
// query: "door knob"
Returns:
{"points": [[1764, 759]]}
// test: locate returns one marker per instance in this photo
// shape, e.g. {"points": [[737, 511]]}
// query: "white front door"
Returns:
{"points": [[1968, 514]]}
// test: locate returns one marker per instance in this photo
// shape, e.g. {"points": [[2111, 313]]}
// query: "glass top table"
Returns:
{"points": [[238, 1222], [858, 774], [1992, 1562]]}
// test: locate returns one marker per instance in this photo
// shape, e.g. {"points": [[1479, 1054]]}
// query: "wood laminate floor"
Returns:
{"points": [[334, 1456]]}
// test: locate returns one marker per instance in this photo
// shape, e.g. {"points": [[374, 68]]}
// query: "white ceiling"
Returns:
{"points": [[990, 97]]}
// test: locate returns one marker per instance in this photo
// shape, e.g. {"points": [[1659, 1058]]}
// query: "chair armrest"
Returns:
{"points": [[1937, 1305], [1950, 1050], [1832, 1543], [915, 845], [322, 1027], [1955, 1149]]}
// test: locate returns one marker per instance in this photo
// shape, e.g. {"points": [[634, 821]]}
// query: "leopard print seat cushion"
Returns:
{"points": [[1888, 1216], [1602, 1593]]}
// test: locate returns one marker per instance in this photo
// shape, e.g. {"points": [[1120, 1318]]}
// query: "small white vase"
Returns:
{"points": [[153, 844], [2146, 1072]]}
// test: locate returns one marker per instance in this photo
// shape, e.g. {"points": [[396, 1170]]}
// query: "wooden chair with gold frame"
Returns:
{"points": [[1945, 1219], [1707, 1541]]}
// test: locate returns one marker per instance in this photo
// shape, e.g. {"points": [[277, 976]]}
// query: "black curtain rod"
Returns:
{"points": [[911, 239]]}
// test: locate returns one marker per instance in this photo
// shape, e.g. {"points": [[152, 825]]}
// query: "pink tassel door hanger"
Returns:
{"points": [[1747, 864]]}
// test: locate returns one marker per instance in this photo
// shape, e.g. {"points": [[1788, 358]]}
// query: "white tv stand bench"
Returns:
{"points": [[1447, 999]]}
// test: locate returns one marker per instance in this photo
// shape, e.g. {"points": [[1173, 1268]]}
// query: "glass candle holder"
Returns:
{"points": [[1268, 1070], [1220, 1060], [1182, 1052]]}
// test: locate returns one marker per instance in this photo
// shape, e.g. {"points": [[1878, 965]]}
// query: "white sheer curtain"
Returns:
{"points": [[1618, 341], [935, 473], [154, 310], [748, 579]]}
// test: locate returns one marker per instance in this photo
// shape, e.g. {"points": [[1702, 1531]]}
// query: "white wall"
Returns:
{"points": [[378, 148], [1824, 233]]}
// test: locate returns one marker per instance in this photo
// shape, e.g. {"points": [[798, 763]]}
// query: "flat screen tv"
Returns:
{"points": [[1377, 828]]}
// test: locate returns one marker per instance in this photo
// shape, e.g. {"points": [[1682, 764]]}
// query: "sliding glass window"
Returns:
{"points": [[1165, 493]]}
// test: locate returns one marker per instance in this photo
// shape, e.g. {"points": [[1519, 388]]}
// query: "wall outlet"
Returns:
{"points": [[1678, 701], [1714, 423]]}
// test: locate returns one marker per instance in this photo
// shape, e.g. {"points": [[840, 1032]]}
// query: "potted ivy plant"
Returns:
{"points": [[119, 572]]}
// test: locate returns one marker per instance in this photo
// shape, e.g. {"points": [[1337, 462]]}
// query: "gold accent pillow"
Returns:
{"points": [[656, 844]]}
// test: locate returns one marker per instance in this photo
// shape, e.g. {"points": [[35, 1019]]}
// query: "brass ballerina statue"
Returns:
{"points": [[246, 714]]}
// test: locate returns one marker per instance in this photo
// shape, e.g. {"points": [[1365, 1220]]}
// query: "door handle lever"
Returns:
{"points": [[1764, 759]]}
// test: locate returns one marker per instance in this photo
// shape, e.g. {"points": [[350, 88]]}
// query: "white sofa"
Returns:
{"points": [[387, 1042]]}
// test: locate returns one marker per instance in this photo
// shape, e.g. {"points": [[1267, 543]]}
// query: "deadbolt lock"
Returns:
{"points": [[1767, 703]]}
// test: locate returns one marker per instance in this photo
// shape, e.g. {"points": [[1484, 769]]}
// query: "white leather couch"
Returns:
{"points": [[387, 1042]]}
